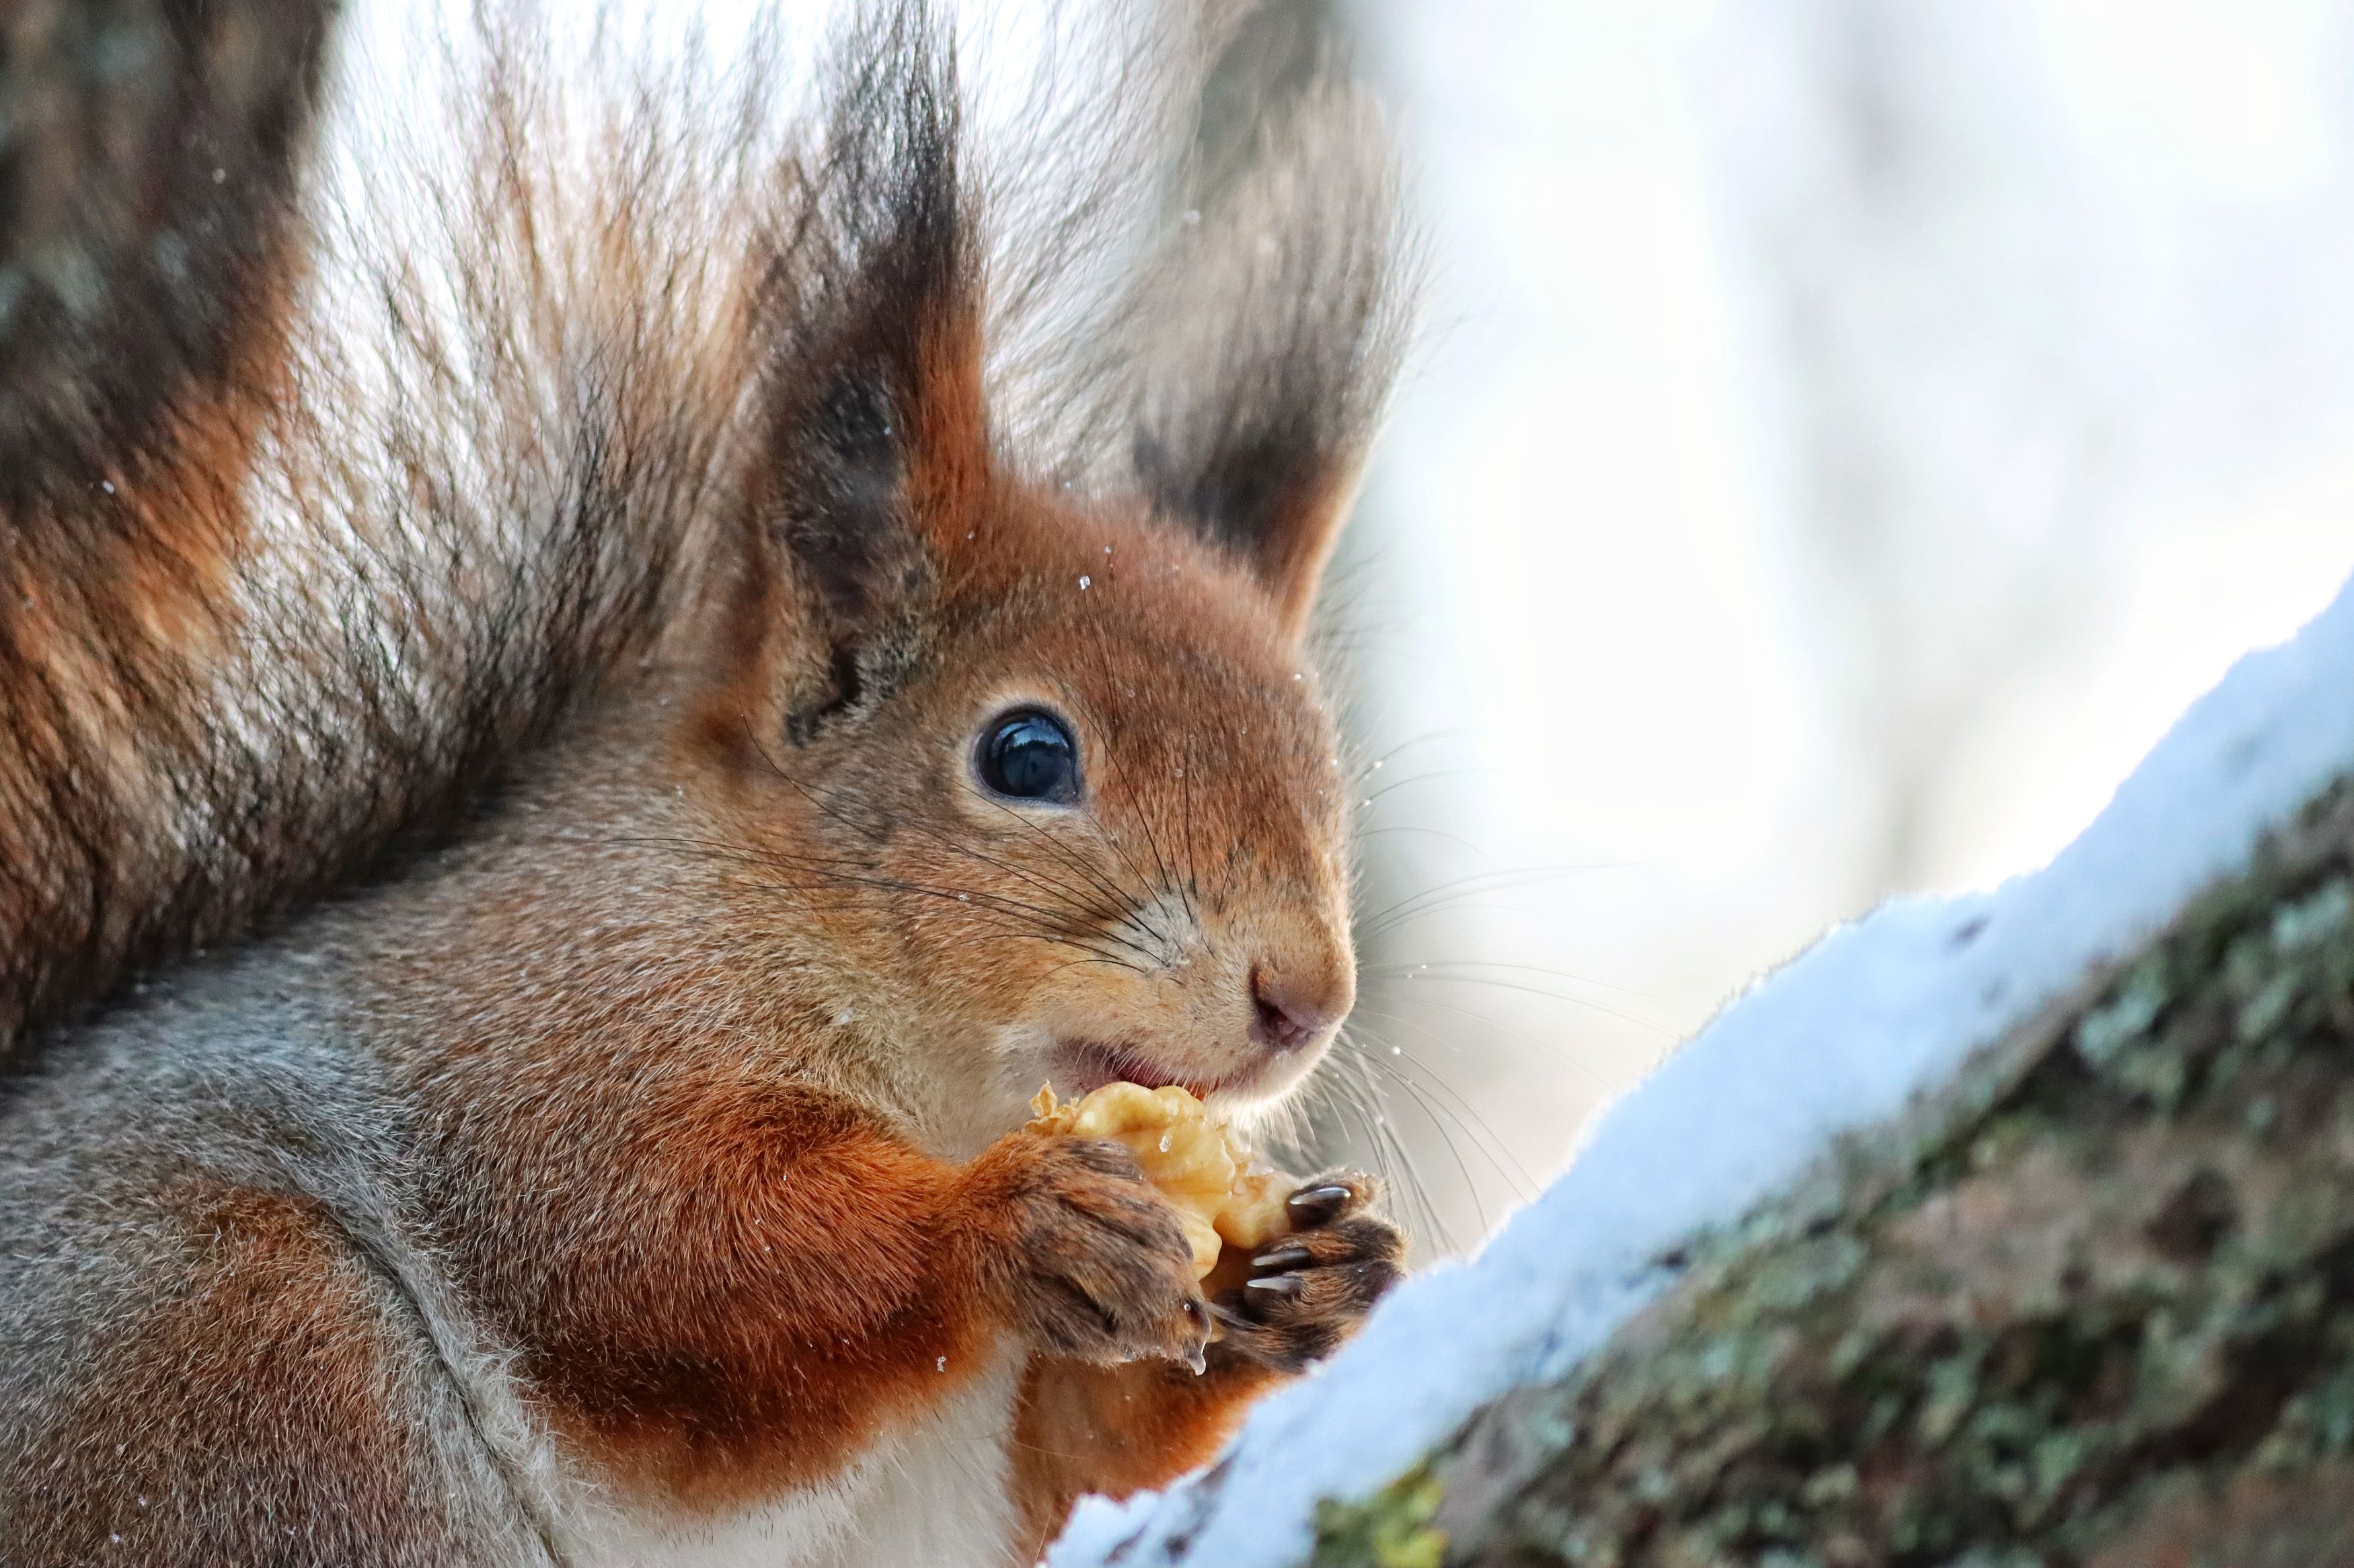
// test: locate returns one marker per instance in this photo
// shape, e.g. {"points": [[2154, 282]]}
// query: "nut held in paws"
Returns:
{"points": [[1193, 1161]]}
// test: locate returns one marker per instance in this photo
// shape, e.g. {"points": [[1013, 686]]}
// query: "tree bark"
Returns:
{"points": [[2088, 1309]]}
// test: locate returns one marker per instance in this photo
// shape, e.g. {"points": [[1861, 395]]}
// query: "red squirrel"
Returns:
{"points": [[572, 760]]}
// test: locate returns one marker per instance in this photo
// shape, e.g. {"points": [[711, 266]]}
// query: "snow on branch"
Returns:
{"points": [[1861, 1038]]}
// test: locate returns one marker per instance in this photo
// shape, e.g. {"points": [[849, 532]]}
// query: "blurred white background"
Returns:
{"points": [[1848, 433]]}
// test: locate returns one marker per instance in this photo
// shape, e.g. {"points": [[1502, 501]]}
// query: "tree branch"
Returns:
{"points": [[2088, 1307]]}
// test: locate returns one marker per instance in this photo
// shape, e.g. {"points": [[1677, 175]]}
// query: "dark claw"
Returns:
{"points": [[1312, 1206], [1320, 1281], [1193, 1351]]}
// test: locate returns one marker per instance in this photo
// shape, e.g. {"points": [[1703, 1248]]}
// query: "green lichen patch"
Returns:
{"points": [[2111, 1294], [1392, 1530]]}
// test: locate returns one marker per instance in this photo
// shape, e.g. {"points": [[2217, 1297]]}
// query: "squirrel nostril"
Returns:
{"points": [[1289, 1015], [1276, 1027]]}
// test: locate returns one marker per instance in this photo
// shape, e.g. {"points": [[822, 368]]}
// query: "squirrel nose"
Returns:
{"points": [[1295, 1009]]}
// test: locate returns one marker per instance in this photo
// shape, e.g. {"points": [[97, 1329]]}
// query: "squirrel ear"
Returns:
{"points": [[1265, 337], [876, 441]]}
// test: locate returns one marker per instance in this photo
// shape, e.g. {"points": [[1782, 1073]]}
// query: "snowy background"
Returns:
{"points": [[1850, 431]]}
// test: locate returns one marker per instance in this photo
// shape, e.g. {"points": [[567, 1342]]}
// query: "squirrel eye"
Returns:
{"points": [[1030, 755]]}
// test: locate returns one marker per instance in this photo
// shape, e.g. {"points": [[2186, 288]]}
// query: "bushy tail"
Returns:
{"points": [[328, 477]]}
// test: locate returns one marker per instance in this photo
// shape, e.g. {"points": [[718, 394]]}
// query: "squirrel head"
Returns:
{"points": [[1090, 828], [1045, 760]]}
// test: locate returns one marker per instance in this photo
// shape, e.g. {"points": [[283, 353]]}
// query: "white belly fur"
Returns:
{"points": [[934, 1496]]}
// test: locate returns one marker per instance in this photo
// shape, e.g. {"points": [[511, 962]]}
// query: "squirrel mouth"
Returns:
{"points": [[1092, 1063]]}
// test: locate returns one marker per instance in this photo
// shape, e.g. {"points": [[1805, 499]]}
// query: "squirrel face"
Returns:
{"points": [[1092, 832], [1144, 876]]}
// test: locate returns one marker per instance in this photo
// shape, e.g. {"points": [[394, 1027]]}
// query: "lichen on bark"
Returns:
{"points": [[2088, 1308]]}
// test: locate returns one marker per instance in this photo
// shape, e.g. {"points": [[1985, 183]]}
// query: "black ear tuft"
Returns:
{"points": [[876, 442], [1266, 338]]}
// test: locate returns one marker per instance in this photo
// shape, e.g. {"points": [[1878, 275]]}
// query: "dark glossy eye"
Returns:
{"points": [[1030, 755]]}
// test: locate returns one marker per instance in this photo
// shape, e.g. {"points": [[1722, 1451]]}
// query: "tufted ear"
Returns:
{"points": [[1268, 333], [876, 441]]}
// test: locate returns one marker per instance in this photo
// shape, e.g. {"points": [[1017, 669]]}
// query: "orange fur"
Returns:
{"points": [[128, 416], [1119, 1430], [794, 1279], [118, 600]]}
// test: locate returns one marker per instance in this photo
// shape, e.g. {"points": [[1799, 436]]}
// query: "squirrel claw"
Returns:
{"points": [[1318, 1283], [1313, 1206], [1200, 1315]]}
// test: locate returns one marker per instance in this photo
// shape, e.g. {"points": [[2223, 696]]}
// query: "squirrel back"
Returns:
{"points": [[779, 649]]}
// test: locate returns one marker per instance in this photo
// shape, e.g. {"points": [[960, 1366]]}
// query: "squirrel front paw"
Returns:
{"points": [[1307, 1290], [1102, 1270]]}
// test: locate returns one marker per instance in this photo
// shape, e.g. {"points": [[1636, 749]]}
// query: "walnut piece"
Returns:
{"points": [[1198, 1164]]}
